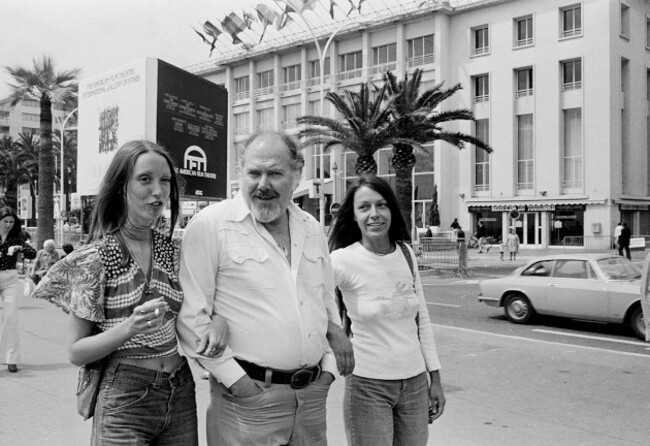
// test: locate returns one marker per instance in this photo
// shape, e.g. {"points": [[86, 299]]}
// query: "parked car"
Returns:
{"points": [[595, 287]]}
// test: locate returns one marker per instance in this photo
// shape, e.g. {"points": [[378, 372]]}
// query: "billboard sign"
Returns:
{"points": [[151, 99]]}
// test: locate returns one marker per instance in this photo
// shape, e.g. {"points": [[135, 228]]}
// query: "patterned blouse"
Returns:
{"points": [[92, 284], [8, 262]]}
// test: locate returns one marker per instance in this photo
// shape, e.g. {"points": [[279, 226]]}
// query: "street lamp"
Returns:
{"points": [[61, 192], [322, 53]]}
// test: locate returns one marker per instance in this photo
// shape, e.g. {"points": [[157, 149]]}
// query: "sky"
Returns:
{"points": [[99, 35]]}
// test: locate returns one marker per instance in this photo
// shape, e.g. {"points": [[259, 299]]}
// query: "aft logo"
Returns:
{"points": [[195, 164]]}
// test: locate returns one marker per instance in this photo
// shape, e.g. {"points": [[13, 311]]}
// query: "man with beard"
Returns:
{"points": [[262, 265]]}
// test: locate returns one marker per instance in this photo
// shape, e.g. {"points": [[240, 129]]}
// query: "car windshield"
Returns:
{"points": [[619, 268]]}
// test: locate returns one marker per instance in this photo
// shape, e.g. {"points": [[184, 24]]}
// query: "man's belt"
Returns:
{"points": [[297, 379]]}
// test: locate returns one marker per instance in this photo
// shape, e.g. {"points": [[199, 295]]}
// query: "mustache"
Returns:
{"points": [[264, 194]]}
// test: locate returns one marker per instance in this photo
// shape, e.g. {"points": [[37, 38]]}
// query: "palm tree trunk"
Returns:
{"points": [[403, 191], [45, 175]]}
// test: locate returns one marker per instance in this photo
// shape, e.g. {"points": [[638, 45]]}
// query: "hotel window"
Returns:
{"points": [[625, 20], [572, 148], [290, 115], [241, 124], [31, 117], [571, 20], [30, 103], [314, 71], [265, 119], [241, 88], [350, 65], [647, 32], [525, 161], [480, 40], [419, 51], [481, 86], [482, 157], [524, 78], [4, 130], [384, 58], [30, 131], [316, 163], [524, 31], [571, 74], [4, 114], [291, 77], [314, 108], [265, 83]]}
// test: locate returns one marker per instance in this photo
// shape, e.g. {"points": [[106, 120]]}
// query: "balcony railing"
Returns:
{"points": [[314, 81], [382, 68], [352, 74], [295, 85], [240, 96], [420, 60], [263, 91], [481, 98], [241, 131], [480, 50], [527, 92], [523, 42], [568, 86], [572, 32]]}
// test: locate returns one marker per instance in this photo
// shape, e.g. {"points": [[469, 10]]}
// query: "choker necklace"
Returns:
{"points": [[136, 232]]}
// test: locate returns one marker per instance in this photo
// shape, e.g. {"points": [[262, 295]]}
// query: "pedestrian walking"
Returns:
{"points": [[123, 294], [481, 233], [617, 234], [45, 258], [397, 371], [512, 243], [12, 243], [262, 264], [624, 241]]}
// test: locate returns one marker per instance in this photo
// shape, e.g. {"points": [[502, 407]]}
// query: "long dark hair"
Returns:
{"points": [[8, 211], [345, 230], [110, 211]]}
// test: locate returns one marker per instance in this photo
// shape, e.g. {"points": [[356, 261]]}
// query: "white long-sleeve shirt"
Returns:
{"points": [[382, 305], [277, 312]]}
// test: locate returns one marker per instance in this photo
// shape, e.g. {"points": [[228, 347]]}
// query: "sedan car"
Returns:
{"points": [[594, 287]]}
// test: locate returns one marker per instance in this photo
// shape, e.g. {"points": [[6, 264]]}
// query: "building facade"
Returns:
{"points": [[559, 89]]}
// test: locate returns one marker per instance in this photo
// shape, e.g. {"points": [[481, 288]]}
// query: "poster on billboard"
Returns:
{"points": [[151, 99]]}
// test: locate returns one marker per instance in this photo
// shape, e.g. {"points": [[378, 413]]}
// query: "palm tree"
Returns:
{"points": [[69, 162], [28, 142], [16, 167], [365, 129], [46, 85], [415, 116]]}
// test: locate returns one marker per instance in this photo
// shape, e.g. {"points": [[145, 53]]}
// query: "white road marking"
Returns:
{"points": [[539, 341], [597, 338], [443, 305]]}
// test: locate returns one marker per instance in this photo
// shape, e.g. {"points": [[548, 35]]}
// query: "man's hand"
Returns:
{"points": [[215, 338], [244, 387], [325, 378], [342, 348]]}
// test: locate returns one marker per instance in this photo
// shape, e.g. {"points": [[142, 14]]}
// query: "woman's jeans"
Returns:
{"points": [[10, 291], [139, 406], [386, 412]]}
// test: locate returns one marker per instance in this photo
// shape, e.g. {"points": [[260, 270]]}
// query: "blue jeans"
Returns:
{"points": [[280, 415], [138, 406], [386, 412]]}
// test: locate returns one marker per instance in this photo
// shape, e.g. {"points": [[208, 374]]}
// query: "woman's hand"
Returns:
{"points": [[148, 317], [436, 395], [215, 338], [342, 348]]}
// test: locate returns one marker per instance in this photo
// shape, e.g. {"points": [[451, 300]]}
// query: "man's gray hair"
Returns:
{"points": [[297, 160]]}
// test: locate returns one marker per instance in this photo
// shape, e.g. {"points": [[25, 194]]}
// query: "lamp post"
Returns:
{"points": [[61, 191], [322, 53]]}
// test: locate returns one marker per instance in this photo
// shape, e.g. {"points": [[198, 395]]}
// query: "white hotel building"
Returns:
{"points": [[560, 89]]}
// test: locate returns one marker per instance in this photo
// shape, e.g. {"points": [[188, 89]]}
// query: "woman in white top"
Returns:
{"points": [[396, 377]]}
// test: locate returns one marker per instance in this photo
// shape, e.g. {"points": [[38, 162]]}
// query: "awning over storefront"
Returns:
{"points": [[631, 204], [309, 188], [528, 205]]}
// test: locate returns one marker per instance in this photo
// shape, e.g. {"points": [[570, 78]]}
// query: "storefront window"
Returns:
{"points": [[492, 222], [567, 223]]}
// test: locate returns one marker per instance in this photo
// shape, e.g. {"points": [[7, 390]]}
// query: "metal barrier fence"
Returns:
{"points": [[436, 252], [588, 242]]}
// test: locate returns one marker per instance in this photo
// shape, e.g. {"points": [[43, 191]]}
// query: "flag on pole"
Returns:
{"points": [[233, 25], [299, 6], [352, 8], [206, 41], [359, 7], [284, 18], [211, 30], [248, 19], [267, 17], [332, 5]]}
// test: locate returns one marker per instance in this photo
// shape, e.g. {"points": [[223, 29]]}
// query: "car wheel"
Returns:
{"points": [[518, 308], [637, 323]]}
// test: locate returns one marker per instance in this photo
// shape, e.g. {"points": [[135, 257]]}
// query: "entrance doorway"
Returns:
{"points": [[530, 229]]}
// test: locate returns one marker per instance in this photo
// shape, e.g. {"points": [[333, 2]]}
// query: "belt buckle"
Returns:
{"points": [[301, 378]]}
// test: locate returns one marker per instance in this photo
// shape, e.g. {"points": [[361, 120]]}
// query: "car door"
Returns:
{"points": [[533, 281], [575, 291]]}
